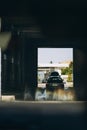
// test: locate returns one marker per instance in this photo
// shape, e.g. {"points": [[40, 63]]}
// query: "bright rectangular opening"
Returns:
{"points": [[51, 86]]}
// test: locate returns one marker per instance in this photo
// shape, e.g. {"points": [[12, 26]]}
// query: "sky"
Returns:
{"points": [[45, 55]]}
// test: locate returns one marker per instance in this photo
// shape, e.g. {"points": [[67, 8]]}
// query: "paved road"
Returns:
{"points": [[64, 95], [43, 116], [67, 84]]}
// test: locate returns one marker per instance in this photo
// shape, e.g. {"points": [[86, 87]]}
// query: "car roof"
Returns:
{"points": [[54, 73]]}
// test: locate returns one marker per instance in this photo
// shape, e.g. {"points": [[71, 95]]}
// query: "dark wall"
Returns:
{"points": [[19, 65], [23, 72], [11, 71], [61, 24]]}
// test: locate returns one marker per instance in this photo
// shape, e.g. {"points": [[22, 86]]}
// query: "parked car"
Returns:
{"points": [[54, 73], [54, 81]]}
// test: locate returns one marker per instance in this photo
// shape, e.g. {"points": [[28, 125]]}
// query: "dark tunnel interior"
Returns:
{"points": [[38, 24]]}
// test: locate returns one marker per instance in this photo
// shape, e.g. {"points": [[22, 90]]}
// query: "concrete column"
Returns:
{"points": [[0, 63], [0, 73], [0, 24]]}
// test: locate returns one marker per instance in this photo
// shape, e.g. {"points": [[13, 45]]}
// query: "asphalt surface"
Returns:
{"points": [[43, 114], [30, 115]]}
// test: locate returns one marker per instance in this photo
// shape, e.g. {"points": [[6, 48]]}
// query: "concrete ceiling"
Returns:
{"points": [[55, 19]]}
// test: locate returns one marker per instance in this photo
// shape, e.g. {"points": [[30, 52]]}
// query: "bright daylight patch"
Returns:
{"points": [[55, 74]]}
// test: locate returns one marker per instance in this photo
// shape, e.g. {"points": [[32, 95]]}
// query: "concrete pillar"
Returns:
{"points": [[0, 24], [0, 73], [0, 63]]}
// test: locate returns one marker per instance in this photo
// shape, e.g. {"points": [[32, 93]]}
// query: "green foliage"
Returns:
{"points": [[71, 65], [67, 70], [69, 79]]}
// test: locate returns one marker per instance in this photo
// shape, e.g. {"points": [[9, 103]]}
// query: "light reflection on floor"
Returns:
{"points": [[56, 95]]}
